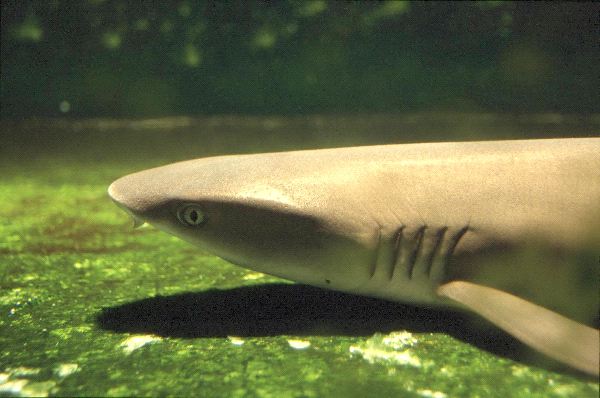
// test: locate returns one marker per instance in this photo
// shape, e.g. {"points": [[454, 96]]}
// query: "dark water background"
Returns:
{"points": [[117, 58]]}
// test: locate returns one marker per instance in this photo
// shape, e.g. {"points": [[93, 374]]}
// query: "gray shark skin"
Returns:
{"points": [[435, 224]]}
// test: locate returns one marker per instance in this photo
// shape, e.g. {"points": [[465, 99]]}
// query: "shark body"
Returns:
{"points": [[415, 223]]}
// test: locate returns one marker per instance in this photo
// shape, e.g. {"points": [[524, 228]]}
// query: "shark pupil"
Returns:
{"points": [[191, 215]]}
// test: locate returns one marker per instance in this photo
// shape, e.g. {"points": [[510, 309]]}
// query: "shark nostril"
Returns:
{"points": [[137, 221]]}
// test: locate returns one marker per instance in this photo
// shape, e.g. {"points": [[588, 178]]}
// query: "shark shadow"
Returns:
{"points": [[301, 310]]}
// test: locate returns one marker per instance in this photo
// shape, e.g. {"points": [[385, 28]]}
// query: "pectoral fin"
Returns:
{"points": [[554, 335]]}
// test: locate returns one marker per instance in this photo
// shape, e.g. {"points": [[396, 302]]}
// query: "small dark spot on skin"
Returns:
{"points": [[327, 281]]}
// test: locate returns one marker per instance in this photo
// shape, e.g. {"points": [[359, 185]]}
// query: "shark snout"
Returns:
{"points": [[130, 197], [121, 194]]}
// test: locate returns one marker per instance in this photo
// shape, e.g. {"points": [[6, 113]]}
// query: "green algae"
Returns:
{"points": [[76, 320]]}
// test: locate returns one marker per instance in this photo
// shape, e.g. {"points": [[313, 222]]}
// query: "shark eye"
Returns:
{"points": [[191, 215]]}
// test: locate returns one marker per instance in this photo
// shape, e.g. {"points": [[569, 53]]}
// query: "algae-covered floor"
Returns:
{"points": [[91, 307]]}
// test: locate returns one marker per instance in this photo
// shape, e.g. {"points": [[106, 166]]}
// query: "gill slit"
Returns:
{"points": [[456, 239], [377, 253], [419, 236], [436, 249], [399, 236], [431, 258]]}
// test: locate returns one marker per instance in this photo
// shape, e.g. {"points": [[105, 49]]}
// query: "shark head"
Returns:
{"points": [[259, 213]]}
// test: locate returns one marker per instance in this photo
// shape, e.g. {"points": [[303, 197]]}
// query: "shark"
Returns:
{"points": [[445, 224]]}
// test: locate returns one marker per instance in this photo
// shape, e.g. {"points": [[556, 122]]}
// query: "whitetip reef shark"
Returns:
{"points": [[412, 223]]}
